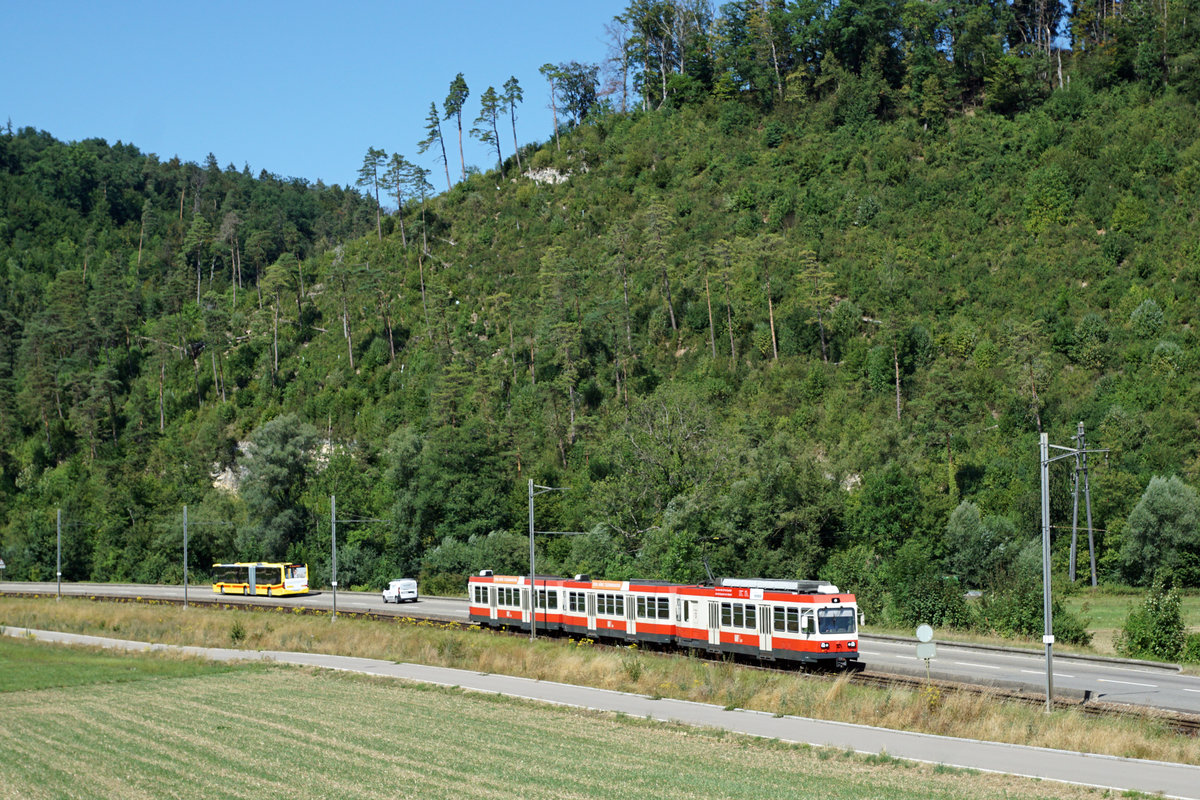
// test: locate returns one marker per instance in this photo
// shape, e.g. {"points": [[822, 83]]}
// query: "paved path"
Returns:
{"points": [[1171, 780]]}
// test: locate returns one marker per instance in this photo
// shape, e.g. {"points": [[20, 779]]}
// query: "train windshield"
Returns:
{"points": [[835, 620]]}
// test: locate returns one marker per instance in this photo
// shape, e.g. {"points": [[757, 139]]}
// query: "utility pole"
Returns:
{"points": [[58, 559], [1081, 466], [532, 573], [185, 605], [1048, 621], [333, 548]]}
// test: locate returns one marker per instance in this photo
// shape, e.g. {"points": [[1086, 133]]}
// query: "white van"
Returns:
{"points": [[401, 591]]}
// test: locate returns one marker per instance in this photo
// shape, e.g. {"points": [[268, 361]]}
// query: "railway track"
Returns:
{"points": [[1183, 724], [861, 674]]}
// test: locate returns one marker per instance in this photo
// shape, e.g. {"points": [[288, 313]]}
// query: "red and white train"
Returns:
{"points": [[803, 621]]}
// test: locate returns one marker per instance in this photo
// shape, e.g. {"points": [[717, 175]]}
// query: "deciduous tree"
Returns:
{"points": [[1162, 536]]}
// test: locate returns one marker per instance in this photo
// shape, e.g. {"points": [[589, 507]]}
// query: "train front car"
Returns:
{"points": [[810, 622]]}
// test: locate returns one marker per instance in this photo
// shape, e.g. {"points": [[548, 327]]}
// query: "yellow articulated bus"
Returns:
{"points": [[260, 578]]}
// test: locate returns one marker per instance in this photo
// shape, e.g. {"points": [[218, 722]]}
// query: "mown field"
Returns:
{"points": [[169, 727]]}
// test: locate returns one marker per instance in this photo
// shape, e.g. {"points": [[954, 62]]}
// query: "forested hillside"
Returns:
{"points": [[793, 306]]}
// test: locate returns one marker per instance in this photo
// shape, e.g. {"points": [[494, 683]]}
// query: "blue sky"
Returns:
{"points": [[300, 89]]}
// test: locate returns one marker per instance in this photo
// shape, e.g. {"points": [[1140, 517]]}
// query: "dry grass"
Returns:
{"points": [[662, 675]]}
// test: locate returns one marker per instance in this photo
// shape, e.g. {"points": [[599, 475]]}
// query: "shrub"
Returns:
{"points": [[1147, 319], [1191, 649], [1015, 606], [921, 594], [1155, 630]]}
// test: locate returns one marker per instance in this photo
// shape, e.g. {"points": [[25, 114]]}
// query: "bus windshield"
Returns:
{"points": [[835, 620]]}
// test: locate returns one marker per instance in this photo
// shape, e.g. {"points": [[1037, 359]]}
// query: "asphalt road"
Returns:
{"points": [[1107, 680], [1120, 774]]}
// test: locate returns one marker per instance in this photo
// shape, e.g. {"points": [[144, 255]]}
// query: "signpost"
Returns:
{"points": [[926, 648]]}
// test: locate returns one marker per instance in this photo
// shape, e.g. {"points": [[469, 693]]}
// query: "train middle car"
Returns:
{"points": [[773, 620]]}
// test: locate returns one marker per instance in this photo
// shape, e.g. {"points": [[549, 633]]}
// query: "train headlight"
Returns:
{"points": [[824, 645], [851, 645]]}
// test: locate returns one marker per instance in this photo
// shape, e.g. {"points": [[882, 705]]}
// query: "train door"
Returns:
{"points": [[526, 605], [714, 623], [591, 611], [630, 616], [764, 629], [491, 594]]}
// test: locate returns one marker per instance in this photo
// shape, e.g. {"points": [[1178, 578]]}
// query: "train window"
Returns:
{"points": [[835, 620], [611, 604], [787, 619], [683, 611], [653, 608], [793, 620], [738, 615], [575, 601]]}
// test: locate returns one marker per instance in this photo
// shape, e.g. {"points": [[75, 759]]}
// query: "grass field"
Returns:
{"points": [[161, 727], [25, 665], [1106, 612], [664, 675]]}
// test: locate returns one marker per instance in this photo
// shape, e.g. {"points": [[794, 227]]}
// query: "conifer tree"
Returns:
{"points": [[454, 103], [433, 130], [369, 175], [485, 124], [513, 95], [396, 179]]}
